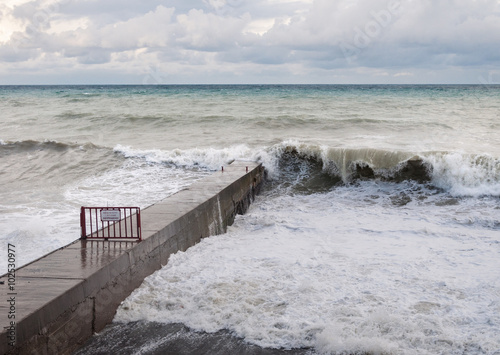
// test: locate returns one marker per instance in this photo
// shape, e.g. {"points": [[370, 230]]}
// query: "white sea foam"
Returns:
{"points": [[368, 266], [38, 232], [348, 271], [458, 173], [206, 158], [48, 218], [149, 175], [136, 182], [465, 174]]}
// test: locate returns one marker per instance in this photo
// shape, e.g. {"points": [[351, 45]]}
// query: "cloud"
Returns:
{"points": [[403, 74], [242, 37], [209, 32], [95, 56]]}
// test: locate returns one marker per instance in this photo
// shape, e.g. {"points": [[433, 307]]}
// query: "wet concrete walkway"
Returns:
{"points": [[61, 299]]}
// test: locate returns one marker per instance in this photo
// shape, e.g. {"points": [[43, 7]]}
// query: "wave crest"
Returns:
{"points": [[205, 158], [313, 168], [347, 165], [465, 174], [456, 173]]}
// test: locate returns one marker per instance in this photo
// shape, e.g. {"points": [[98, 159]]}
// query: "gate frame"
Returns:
{"points": [[111, 225]]}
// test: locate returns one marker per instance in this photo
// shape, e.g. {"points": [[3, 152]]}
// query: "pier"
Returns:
{"points": [[62, 298]]}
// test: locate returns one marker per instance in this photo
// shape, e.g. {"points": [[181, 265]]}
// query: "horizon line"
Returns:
{"points": [[254, 84]]}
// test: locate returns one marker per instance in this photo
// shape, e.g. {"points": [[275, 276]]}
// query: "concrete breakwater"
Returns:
{"points": [[61, 299]]}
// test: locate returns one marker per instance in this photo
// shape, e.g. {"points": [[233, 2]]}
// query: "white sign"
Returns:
{"points": [[110, 215]]}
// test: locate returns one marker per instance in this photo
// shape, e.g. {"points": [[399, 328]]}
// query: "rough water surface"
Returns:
{"points": [[377, 232]]}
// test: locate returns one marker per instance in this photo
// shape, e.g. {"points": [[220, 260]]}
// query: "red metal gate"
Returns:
{"points": [[111, 223]]}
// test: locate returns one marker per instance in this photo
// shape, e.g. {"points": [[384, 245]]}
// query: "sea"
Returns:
{"points": [[377, 230]]}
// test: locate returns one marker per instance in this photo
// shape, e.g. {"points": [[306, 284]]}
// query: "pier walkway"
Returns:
{"points": [[61, 299]]}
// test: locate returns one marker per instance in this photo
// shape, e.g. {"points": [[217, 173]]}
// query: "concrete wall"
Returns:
{"points": [[66, 296]]}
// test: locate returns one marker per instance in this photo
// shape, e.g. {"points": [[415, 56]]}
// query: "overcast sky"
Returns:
{"points": [[249, 41]]}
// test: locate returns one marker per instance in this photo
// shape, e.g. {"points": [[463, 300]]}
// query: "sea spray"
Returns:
{"points": [[466, 174], [341, 271]]}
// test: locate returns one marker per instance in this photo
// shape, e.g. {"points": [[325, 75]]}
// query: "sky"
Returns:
{"points": [[249, 42]]}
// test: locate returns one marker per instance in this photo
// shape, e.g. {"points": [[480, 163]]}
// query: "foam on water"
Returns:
{"points": [[136, 180], [466, 174], [66, 176], [459, 173], [43, 215], [377, 268], [206, 158], [378, 231]]}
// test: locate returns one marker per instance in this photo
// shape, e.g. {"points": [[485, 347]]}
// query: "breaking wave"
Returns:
{"points": [[302, 167], [314, 168]]}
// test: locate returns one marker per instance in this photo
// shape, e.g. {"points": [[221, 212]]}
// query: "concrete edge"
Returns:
{"points": [[87, 304]]}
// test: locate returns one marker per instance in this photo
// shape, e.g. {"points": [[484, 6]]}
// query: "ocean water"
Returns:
{"points": [[378, 231]]}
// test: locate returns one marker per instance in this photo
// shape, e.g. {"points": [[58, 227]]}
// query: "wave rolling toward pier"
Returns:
{"points": [[377, 230]]}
